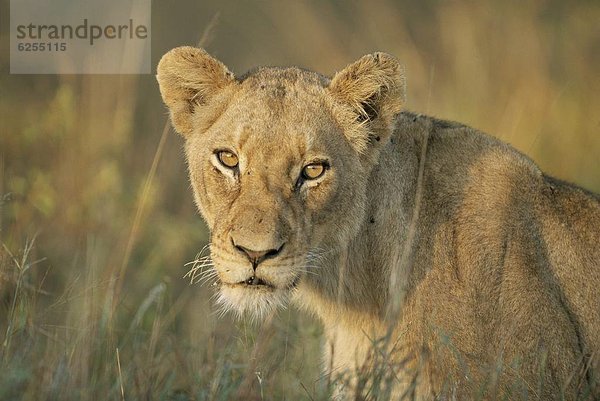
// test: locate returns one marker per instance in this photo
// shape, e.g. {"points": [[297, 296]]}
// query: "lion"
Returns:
{"points": [[442, 263]]}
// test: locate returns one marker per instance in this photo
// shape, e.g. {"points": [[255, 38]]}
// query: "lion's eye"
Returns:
{"points": [[313, 171], [228, 159]]}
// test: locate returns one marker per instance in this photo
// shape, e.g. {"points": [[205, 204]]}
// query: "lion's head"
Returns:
{"points": [[279, 161]]}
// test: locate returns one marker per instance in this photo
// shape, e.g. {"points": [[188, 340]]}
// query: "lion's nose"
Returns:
{"points": [[256, 257]]}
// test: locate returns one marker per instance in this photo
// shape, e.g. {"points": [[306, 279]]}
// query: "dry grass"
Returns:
{"points": [[96, 224]]}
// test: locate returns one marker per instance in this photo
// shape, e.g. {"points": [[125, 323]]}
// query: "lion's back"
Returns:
{"points": [[520, 249], [570, 222]]}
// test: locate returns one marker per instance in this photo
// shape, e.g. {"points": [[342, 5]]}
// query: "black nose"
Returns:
{"points": [[255, 257]]}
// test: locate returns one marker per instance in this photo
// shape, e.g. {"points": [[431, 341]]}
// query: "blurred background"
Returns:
{"points": [[97, 220]]}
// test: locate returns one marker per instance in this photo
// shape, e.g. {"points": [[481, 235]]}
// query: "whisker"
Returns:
{"points": [[201, 270], [307, 272], [207, 278], [199, 267], [198, 261], [203, 276], [316, 267], [207, 271]]}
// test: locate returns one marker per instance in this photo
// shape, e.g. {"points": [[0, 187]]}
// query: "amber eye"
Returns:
{"points": [[228, 159], [313, 171]]}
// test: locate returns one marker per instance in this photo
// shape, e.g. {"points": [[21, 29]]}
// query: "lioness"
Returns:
{"points": [[423, 245]]}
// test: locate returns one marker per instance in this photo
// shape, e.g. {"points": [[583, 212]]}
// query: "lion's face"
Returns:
{"points": [[278, 163], [278, 185]]}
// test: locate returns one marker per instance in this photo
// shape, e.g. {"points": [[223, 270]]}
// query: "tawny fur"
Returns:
{"points": [[499, 277]]}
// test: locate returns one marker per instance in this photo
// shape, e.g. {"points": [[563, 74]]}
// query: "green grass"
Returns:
{"points": [[74, 345]]}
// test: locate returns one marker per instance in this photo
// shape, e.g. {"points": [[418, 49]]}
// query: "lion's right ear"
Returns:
{"points": [[190, 78]]}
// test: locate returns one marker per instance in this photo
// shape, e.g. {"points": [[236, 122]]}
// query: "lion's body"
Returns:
{"points": [[427, 242], [505, 267]]}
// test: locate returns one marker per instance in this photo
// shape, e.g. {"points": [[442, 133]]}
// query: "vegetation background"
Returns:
{"points": [[97, 221]]}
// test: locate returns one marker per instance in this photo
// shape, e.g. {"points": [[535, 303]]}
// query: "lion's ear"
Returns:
{"points": [[189, 78], [373, 87]]}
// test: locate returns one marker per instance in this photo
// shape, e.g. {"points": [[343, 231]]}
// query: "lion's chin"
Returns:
{"points": [[256, 301]]}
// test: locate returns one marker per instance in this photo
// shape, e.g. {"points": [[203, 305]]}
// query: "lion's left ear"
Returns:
{"points": [[374, 88]]}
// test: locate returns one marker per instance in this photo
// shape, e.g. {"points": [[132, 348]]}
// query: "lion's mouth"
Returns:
{"points": [[255, 281], [259, 283]]}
